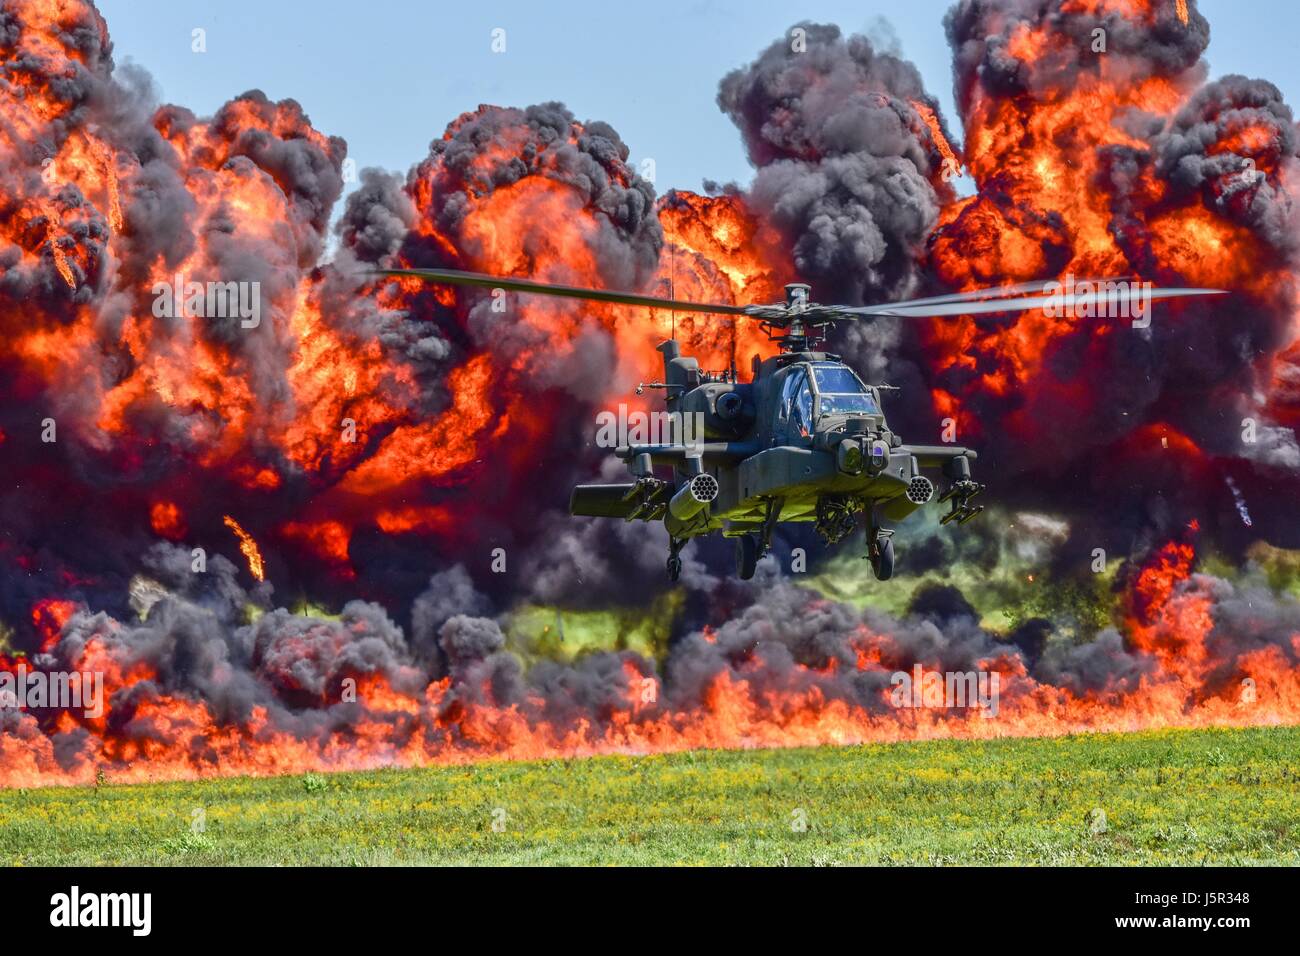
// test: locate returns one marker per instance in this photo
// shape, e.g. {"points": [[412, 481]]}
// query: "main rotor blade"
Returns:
{"points": [[1065, 302], [988, 292], [481, 280]]}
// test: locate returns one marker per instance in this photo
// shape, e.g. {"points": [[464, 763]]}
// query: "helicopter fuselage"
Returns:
{"points": [[805, 441]]}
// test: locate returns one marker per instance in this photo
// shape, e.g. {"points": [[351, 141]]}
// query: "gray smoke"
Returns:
{"points": [[846, 167], [982, 33]]}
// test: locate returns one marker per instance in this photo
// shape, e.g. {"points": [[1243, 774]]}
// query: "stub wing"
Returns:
{"points": [[627, 501], [960, 488], [935, 456]]}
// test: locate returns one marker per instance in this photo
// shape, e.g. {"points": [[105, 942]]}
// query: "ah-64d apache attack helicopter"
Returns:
{"points": [[805, 439]]}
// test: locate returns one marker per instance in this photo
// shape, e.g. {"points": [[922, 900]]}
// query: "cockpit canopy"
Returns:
{"points": [[815, 390], [841, 392], [794, 414]]}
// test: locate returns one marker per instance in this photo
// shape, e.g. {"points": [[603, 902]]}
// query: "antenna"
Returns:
{"points": [[672, 282]]}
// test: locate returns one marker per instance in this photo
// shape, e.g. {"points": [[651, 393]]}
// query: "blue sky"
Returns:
{"points": [[387, 75]]}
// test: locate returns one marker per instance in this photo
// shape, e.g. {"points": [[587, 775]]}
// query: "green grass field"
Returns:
{"points": [[1170, 797]]}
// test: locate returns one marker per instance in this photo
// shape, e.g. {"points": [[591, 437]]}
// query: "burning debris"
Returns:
{"points": [[375, 439], [248, 548]]}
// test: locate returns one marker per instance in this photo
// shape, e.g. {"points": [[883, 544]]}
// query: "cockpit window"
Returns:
{"points": [[788, 391], [836, 379], [849, 405], [842, 393], [801, 420], [794, 417], [797, 411]]}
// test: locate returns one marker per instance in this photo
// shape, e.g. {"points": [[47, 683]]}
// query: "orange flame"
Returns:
{"points": [[931, 120], [339, 437], [248, 547]]}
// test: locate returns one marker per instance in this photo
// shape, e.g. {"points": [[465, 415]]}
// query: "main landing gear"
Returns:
{"points": [[675, 546], [752, 548], [880, 547], [747, 548], [881, 555]]}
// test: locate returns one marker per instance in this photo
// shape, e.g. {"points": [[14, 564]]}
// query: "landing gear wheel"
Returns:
{"points": [[882, 562], [674, 558], [746, 556]]}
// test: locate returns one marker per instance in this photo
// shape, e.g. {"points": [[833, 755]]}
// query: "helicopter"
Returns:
{"points": [[806, 439]]}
